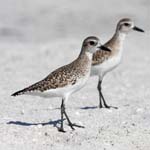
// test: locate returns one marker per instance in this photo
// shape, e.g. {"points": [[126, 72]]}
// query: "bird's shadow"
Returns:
{"points": [[53, 123], [20, 123], [88, 107], [84, 108]]}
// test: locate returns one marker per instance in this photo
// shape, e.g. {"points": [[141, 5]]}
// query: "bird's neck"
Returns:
{"points": [[89, 55], [83, 62], [85, 55], [116, 42], [120, 36], [85, 58]]}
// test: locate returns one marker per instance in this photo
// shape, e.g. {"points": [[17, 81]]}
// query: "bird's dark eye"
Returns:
{"points": [[126, 24], [92, 43]]}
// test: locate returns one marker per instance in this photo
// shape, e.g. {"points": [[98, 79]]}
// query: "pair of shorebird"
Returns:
{"points": [[94, 59]]}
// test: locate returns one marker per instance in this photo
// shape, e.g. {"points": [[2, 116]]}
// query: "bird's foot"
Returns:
{"points": [[108, 107], [72, 125], [61, 130]]}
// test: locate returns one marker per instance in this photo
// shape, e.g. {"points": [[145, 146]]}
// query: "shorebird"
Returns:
{"points": [[67, 79], [104, 62]]}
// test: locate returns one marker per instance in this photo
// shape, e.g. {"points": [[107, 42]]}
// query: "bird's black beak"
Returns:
{"points": [[104, 48], [138, 29]]}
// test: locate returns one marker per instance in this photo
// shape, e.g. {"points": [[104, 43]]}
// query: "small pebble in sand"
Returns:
{"points": [[39, 125], [77, 113], [46, 134], [34, 140], [22, 112], [49, 107], [140, 110]]}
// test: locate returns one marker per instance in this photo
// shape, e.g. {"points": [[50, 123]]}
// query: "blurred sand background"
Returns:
{"points": [[43, 21], [38, 36]]}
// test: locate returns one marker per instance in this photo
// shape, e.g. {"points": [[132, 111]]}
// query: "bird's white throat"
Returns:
{"points": [[121, 36], [89, 55]]}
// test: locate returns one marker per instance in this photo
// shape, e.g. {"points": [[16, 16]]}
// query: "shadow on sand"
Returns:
{"points": [[89, 107], [53, 123], [20, 123]]}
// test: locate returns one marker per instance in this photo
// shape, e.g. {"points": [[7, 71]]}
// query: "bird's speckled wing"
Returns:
{"points": [[66, 75]]}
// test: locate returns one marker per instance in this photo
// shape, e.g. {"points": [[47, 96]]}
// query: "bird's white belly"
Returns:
{"points": [[106, 66]]}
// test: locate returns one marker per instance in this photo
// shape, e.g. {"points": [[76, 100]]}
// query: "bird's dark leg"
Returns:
{"points": [[72, 125], [101, 97], [100, 94], [63, 112], [61, 129]]}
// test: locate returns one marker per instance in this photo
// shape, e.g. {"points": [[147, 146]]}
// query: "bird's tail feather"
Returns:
{"points": [[20, 92]]}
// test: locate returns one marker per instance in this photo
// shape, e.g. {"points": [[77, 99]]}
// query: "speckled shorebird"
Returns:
{"points": [[104, 62], [67, 79]]}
